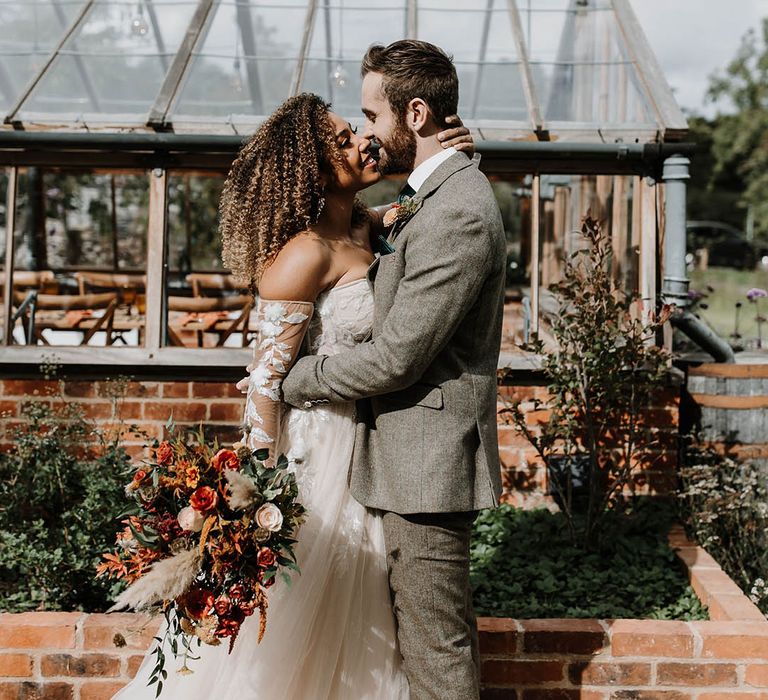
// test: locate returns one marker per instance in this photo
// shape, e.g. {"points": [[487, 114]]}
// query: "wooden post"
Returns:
{"points": [[619, 230], [648, 260], [535, 253], [155, 317], [10, 228]]}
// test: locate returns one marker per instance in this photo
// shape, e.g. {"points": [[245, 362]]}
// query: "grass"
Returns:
{"points": [[524, 566], [731, 286]]}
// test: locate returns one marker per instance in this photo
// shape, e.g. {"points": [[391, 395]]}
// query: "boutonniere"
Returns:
{"points": [[401, 212]]}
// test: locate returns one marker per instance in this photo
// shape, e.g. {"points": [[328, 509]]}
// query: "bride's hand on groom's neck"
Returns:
{"points": [[457, 136]]}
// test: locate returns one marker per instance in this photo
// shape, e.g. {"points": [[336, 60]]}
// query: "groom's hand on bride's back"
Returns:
{"points": [[457, 135]]}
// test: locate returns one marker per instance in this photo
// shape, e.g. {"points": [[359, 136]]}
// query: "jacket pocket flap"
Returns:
{"points": [[420, 395]]}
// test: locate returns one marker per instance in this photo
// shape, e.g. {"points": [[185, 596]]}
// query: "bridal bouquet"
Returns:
{"points": [[207, 532]]}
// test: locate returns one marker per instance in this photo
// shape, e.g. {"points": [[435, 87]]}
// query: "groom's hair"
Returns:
{"points": [[412, 69]]}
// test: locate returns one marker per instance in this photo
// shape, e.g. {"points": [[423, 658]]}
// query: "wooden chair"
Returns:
{"points": [[108, 281], [32, 303], [222, 326], [41, 280], [213, 284]]}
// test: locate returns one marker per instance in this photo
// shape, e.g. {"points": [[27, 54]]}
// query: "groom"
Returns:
{"points": [[426, 450]]}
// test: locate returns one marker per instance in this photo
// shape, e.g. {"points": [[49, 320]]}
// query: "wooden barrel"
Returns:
{"points": [[729, 405]]}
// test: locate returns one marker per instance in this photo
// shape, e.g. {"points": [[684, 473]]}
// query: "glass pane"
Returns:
{"points": [[205, 308], [80, 257], [29, 31], [581, 70], [114, 63], [247, 60], [340, 38], [479, 37]]}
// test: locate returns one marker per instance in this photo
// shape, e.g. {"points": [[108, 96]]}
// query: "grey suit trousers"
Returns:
{"points": [[428, 562]]}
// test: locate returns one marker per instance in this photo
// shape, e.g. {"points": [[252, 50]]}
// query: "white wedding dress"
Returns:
{"points": [[331, 633]]}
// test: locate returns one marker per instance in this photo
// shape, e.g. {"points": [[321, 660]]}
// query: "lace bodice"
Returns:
{"points": [[343, 318]]}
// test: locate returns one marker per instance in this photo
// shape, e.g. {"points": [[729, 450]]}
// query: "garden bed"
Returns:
{"points": [[79, 656]]}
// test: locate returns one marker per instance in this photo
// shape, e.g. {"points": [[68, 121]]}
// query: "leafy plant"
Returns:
{"points": [[601, 375], [524, 565], [58, 502], [724, 503]]}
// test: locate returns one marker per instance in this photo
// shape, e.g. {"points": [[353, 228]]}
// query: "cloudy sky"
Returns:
{"points": [[694, 38]]}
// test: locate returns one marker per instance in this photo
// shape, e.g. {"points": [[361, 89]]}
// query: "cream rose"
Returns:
{"points": [[269, 517], [190, 519]]}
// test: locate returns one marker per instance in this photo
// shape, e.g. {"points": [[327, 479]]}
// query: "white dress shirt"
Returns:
{"points": [[420, 174]]}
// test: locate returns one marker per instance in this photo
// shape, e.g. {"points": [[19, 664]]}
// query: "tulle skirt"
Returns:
{"points": [[331, 633]]}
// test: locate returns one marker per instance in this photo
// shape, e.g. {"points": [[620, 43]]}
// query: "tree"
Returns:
{"points": [[740, 139]]}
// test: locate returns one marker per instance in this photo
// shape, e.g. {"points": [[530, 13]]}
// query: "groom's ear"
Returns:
{"points": [[418, 114]]}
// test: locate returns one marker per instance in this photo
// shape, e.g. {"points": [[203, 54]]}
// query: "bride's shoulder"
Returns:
{"points": [[299, 271]]}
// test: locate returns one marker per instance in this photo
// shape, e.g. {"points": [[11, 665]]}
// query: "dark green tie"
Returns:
{"points": [[406, 192]]}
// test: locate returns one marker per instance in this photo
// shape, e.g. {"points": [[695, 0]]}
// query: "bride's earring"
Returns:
{"points": [[320, 205]]}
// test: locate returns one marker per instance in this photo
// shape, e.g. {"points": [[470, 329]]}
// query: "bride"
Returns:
{"points": [[291, 223]]}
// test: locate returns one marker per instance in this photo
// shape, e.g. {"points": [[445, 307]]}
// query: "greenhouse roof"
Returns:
{"points": [[568, 70]]}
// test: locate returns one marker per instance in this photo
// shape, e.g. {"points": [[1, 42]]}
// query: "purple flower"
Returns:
{"points": [[693, 295], [756, 293]]}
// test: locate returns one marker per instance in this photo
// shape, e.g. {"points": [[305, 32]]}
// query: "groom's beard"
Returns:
{"points": [[398, 153]]}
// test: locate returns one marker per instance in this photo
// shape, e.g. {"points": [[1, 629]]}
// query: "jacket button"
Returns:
{"points": [[307, 404]]}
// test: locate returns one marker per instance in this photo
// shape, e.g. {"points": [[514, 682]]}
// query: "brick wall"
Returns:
{"points": [[76, 656], [148, 405], [524, 477]]}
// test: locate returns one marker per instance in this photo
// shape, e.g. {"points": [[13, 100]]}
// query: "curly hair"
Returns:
{"points": [[273, 190]]}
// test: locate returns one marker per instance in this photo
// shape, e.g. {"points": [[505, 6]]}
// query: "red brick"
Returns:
{"points": [[133, 665], [505, 672], [734, 640], [607, 673], [81, 389], [563, 636], [695, 674], [650, 695], [175, 390], [180, 411], [85, 665], [662, 638], [99, 410], [498, 694], [709, 582], [130, 411], [9, 408], [498, 636], [695, 557], [141, 390], [104, 690], [732, 695], [757, 676], [15, 665], [118, 631], [217, 390], [49, 630], [29, 387], [509, 436], [227, 412], [26, 690], [733, 607], [552, 694]]}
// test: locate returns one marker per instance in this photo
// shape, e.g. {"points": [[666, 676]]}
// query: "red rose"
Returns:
{"points": [[222, 606], [198, 602], [140, 475], [265, 557], [225, 459], [229, 625], [164, 453], [237, 590], [203, 499]]}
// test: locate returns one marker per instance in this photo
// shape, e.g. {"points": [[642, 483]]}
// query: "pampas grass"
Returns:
{"points": [[166, 580], [242, 492]]}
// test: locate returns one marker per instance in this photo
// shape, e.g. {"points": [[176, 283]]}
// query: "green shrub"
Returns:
{"points": [[525, 565], [59, 498], [724, 503]]}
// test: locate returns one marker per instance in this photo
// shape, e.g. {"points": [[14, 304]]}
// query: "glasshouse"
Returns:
{"points": [[627, 557]]}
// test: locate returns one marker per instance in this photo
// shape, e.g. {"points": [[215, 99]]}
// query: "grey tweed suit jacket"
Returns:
{"points": [[425, 384]]}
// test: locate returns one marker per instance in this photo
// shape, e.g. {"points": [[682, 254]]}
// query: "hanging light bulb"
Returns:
{"points": [[139, 26], [339, 75]]}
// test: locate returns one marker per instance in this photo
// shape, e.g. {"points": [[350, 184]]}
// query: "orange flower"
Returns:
{"points": [[191, 474], [164, 453], [204, 499], [139, 476], [225, 459]]}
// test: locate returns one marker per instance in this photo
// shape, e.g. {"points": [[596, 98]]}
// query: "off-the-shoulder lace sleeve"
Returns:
{"points": [[281, 326]]}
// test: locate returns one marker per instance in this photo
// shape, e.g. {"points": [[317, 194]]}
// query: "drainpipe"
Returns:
{"points": [[675, 286]]}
